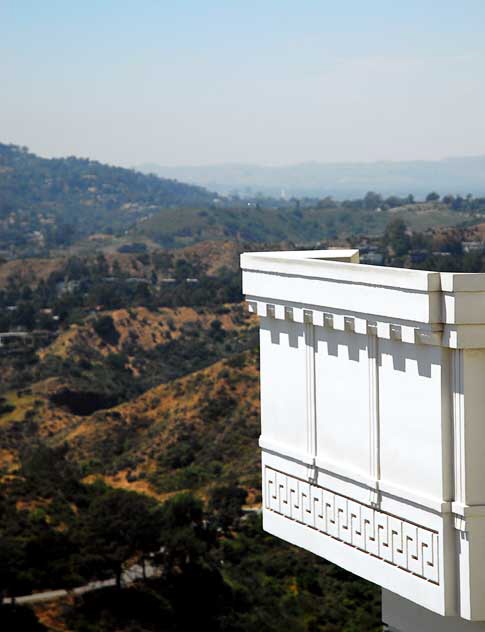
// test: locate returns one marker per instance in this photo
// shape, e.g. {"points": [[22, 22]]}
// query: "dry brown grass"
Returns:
{"points": [[29, 271], [148, 328]]}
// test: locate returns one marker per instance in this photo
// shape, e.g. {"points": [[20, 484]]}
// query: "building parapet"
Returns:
{"points": [[373, 430]]}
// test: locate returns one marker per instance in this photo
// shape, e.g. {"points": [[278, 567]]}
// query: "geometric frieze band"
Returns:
{"points": [[395, 541], [431, 335]]}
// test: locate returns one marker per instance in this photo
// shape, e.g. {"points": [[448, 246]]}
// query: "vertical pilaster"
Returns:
{"points": [[468, 376], [311, 420], [374, 426], [458, 425]]}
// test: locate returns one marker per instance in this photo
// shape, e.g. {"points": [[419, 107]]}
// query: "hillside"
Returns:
{"points": [[48, 206], [310, 223], [186, 434], [51, 202], [196, 431], [84, 377], [209, 257]]}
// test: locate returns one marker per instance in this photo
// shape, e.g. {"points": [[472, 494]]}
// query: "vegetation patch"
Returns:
{"points": [[81, 403]]}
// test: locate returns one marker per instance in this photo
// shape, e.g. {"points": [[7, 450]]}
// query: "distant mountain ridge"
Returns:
{"points": [[460, 175]]}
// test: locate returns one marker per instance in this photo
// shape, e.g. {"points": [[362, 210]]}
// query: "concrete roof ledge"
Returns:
{"points": [[335, 280], [340, 265]]}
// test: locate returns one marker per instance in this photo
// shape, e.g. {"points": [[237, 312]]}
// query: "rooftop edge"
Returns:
{"points": [[344, 266]]}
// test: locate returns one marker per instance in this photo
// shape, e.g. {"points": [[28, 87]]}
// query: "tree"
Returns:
{"points": [[458, 203], [116, 270], [101, 267], [116, 527], [372, 200], [185, 537], [76, 269], [48, 471], [25, 316], [12, 565], [394, 201], [432, 197], [226, 503], [183, 270], [396, 237], [105, 328]]}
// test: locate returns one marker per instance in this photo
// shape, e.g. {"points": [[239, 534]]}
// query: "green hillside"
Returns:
{"points": [[311, 221], [51, 202]]}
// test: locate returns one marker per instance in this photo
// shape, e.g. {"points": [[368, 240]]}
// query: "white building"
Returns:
{"points": [[373, 426]]}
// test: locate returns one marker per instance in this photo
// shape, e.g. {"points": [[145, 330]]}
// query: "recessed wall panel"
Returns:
{"points": [[410, 412], [283, 383], [342, 398]]}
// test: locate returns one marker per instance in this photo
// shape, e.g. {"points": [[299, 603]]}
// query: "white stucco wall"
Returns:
{"points": [[402, 615], [373, 428]]}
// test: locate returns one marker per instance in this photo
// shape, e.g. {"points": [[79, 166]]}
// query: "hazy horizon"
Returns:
{"points": [[270, 84], [306, 162], [235, 163]]}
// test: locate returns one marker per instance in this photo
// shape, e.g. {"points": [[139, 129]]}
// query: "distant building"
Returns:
{"points": [[472, 246], [372, 258], [67, 287]]}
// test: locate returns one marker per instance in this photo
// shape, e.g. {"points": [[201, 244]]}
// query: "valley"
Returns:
{"points": [[129, 395]]}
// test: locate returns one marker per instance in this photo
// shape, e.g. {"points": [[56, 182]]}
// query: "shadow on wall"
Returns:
{"points": [[353, 347]]}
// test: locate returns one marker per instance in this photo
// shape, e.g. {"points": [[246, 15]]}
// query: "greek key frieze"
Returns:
{"points": [[410, 547]]}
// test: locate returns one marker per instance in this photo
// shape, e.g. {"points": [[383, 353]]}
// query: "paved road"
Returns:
{"points": [[128, 577]]}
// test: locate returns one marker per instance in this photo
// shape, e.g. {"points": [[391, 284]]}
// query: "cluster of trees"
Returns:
{"points": [[468, 203], [372, 201], [84, 284], [207, 566], [427, 251], [70, 533]]}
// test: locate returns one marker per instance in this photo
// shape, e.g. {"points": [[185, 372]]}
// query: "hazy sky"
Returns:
{"points": [[182, 82]]}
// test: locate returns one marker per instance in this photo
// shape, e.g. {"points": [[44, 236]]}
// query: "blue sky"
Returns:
{"points": [[268, 82]]}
